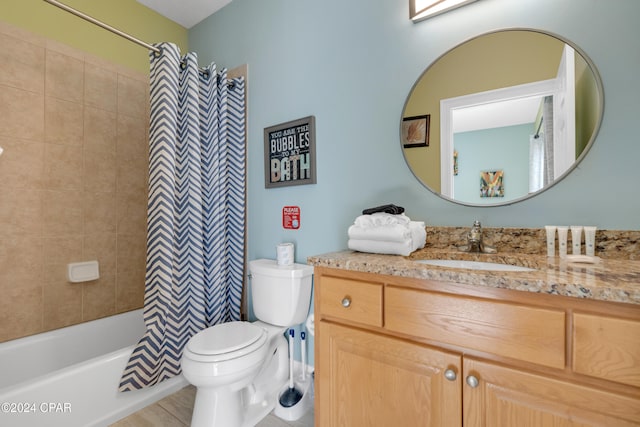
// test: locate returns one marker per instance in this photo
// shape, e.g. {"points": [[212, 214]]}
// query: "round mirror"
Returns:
{"points": [[501, 117]]}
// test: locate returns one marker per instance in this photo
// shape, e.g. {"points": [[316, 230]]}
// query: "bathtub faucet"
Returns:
{"points": [[475, 241]]}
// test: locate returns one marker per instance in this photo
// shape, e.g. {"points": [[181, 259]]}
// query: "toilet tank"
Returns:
{"points": [[280, 294]]}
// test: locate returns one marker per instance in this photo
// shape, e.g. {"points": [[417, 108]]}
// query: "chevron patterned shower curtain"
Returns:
{"points": [[196, 217]]}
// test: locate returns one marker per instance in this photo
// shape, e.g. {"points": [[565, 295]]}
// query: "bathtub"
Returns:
{"points": [[69, 377]]}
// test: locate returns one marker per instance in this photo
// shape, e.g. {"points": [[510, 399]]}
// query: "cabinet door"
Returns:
{"points": [[366, 379], [506, 397], [606, 347]]}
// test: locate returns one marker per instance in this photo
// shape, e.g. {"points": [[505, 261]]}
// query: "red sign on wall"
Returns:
{"points": [[291, 217]]}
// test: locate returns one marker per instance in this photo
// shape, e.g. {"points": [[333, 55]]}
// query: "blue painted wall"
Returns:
{"points": [[352, 64], [505, 149]]}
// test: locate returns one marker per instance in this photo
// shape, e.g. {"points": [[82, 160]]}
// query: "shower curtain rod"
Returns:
{"points": [[116, 31], [537, 135], [102, 24]]}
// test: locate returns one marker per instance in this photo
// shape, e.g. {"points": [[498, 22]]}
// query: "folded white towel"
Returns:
{"points": [[388, 233], [418, 235], [416, 240], [381, 218], [378, 247]]}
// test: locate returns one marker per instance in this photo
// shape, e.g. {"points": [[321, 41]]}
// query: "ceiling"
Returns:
{"points": [[497, 114], [185, 12]]}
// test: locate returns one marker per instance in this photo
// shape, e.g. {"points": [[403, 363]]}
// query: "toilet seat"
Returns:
{"points": [[226, 341]]}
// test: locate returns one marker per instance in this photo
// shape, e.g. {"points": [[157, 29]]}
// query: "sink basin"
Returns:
{"points": [[472, 265]]}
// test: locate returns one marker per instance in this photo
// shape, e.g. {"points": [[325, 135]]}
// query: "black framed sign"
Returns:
{"points": [[290, 153]]}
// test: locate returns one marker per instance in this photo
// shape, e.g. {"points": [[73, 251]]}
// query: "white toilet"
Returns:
{"points": [[239, 368]]}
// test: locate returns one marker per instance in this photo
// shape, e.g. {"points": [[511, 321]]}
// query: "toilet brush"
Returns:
{"points": [[303, 354], [291, 396]]}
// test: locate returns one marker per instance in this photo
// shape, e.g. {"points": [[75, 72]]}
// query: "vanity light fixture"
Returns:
{"points": [[423, 9]]}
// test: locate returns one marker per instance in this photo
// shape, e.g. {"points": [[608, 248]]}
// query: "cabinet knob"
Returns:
{"points": [[450, 374], [472, 381], [346, 302]]}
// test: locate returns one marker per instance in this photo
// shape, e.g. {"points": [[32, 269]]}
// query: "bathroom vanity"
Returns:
{"points": [[407, 344]]}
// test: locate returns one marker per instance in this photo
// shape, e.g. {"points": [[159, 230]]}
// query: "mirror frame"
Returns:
{"points": [[582, 155]]}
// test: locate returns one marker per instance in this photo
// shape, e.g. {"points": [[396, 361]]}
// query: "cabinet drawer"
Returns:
{"points": [[525, 333], [351, 300], [607, 348]]}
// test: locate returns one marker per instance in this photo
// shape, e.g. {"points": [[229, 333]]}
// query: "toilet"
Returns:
{"points": [[240, 368]]}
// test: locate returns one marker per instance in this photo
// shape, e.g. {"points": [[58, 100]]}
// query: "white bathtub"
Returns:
{"points": [[69, 377]]}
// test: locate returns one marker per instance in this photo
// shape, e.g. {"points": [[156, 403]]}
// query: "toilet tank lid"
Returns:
{"points": [[270, 267]]}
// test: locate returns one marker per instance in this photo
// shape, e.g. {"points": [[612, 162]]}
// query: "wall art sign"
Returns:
{"points": [[415, 131], [290, 153], [492, 183]]}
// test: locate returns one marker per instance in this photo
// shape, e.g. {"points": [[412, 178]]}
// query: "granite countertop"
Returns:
{"points": [[607, 280]]}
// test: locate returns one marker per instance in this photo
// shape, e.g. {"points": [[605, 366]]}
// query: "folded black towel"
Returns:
{"points": [[390, 209]]}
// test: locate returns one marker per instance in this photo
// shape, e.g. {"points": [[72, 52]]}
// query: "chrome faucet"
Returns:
{"points": [[475, 242]]}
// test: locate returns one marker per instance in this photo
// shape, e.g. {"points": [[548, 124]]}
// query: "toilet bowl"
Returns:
{"points": [[223, 361], [239, 368], [217, 355]]}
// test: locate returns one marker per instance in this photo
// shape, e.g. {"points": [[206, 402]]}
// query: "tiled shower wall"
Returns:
{"points": [[73, 184]]}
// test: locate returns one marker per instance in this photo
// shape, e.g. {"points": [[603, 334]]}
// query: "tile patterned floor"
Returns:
{"points": [[175, 411]]}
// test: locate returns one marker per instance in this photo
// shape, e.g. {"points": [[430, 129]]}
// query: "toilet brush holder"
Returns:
{"points": [[296, 411]]}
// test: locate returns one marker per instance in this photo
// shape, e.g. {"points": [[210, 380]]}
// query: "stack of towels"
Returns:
{"points": [[386, 233]]}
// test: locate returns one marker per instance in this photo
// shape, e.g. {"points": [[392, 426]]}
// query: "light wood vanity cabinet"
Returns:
{"points": [[394, 351]]}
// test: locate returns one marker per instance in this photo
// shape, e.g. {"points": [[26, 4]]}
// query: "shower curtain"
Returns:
{"points": [[541, 150], [196, 211]]}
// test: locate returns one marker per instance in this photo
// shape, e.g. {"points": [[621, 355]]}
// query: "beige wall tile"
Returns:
{"points": [[63, 122], [99, 212], [63, 167], [91, 59], [130, 293], [133, 97], [21, 64], [62, 305], [101, 88], [99, 298], [62, 212], [101, 247], [21, 263], [132, 177], [58, 252], [22, 163], [20, 312], [100, 130], [130, 271], [55, 46], [131, 253], [22, 34], [74, 173], [20, 212], [132, 137], [64, 77], [21, 113], [100, 170], [132, 213]]}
